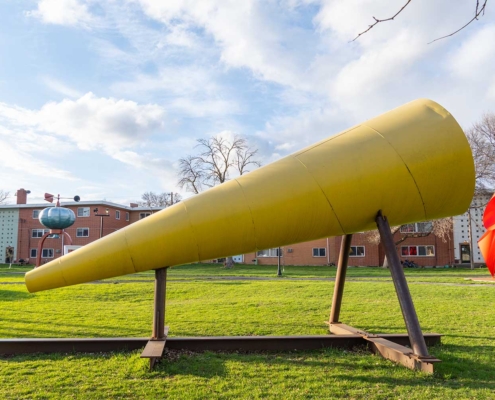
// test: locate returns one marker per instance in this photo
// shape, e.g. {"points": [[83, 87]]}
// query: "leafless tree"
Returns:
{"points": [[216, 159], [191, 174], [166, 199], [3, 196], [479, 12], [481, 137]]}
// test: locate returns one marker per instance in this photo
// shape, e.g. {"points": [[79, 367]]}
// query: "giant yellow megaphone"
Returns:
{"points": [[413, 163]]}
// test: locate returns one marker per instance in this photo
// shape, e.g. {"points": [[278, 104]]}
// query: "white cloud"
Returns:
{"points": [[475, 58], [90, 123], [188, 80], [94, 122], [60, 87], [17, 157], [63, 12], [248, 34]]}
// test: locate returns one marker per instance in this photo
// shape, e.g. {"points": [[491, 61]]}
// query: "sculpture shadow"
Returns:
{"points": [[13, 295]]}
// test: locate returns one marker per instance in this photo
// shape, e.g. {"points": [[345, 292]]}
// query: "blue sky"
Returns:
{"points": [[101, 98]]}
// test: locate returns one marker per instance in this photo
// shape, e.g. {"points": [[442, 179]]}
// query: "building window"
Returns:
{"points": [[117, 214], [82, 232], [38, 233], [419, 227], [418, 251], [33, 253], [83, 211], [47, 253], [319, 252], [36, 214], [357, 251], [127, 216], [268, 253], [144, 215]]}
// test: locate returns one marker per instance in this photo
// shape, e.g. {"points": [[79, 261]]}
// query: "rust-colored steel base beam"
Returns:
{"points": [[388, 349], [154, 348], [210, 343]]}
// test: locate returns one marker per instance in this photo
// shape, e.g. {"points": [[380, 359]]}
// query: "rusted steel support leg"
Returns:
{"points": [[338, 290], [159, 306], [406, 304], [155, 347]]}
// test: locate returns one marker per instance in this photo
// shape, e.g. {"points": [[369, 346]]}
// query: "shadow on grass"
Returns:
{"points": [[66, 330], [453, 372], [460, 368], [13, 295]]}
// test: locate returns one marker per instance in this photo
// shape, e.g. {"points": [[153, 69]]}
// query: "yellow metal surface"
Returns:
{"points": [[413, 163]]}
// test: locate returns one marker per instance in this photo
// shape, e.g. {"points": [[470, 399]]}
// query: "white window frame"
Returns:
{"points": [[38, 231], [37, 214], [269, 252], [33, 251], [418, 227], [354, 253], [117, 214], [82, 230], [318, 251], [81, 211], [48, 252], [127, 216], [417, 250], [143, 215]]}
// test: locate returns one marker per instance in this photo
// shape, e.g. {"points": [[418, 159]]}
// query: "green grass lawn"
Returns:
{"points": [[197, 306]]}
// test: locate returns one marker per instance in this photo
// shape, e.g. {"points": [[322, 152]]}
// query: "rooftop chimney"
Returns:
{"points": [[134, 205], [22, 196]]}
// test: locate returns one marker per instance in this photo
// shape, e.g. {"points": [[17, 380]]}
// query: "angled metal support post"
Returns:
{"points": [[417, 356], [155, 346], [338, 290], [406, 304]]}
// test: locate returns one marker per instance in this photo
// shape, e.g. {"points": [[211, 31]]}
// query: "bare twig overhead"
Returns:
{"points": [[479, 11], [377, 21]]}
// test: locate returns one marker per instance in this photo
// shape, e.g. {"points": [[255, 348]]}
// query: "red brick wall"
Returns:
{"points": [[27, 223], [302, 253]]}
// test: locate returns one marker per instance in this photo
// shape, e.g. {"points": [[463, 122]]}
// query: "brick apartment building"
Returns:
{"points": [[424, 251], [21, 229]]}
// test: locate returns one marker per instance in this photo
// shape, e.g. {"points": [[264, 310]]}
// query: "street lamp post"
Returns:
{"points": [[101, 219]]}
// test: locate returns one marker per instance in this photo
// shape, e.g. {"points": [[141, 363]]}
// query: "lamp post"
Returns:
{"points": [[101, 218]]}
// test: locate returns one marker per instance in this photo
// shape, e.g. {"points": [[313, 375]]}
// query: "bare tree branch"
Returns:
{"points": [[166, 199], [244, 158], [191, 174], [479, 11], [3, 196], [377, 21], [217, 158], [481, 137]]}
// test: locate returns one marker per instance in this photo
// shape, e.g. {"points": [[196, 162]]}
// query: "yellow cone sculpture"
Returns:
{"points": [[413, 163]]}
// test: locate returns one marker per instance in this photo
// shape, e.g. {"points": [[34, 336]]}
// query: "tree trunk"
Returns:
{"points": [[229, 262]]}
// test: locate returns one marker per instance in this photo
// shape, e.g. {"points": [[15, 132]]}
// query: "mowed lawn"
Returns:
{"points": [[201, 301]]}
